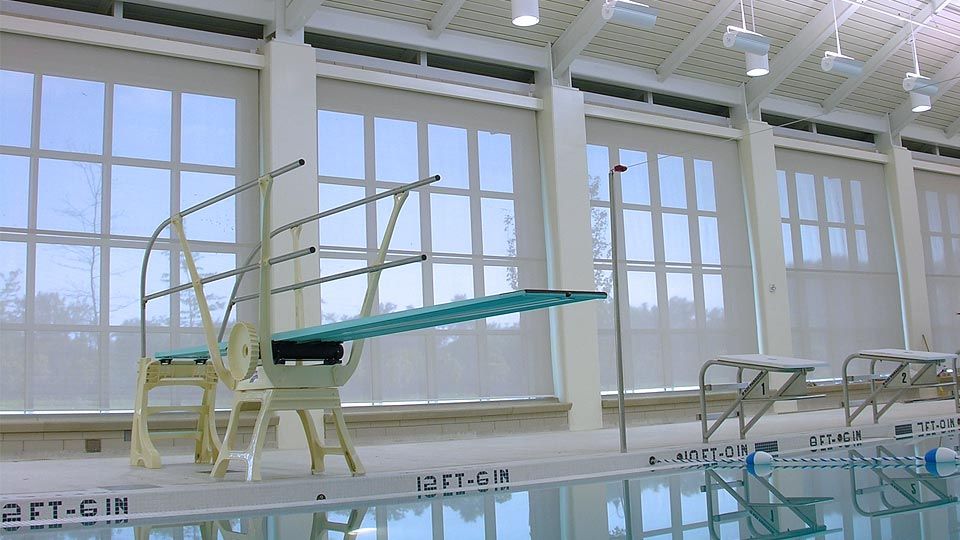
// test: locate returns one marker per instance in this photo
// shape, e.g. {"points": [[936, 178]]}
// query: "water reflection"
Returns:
{"points": [[799, 501]]}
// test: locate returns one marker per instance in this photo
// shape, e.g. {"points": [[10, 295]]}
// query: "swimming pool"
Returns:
{"points": [[833, 500]]}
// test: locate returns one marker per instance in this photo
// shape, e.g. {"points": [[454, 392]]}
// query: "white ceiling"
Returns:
{"points": [[863, 34]]}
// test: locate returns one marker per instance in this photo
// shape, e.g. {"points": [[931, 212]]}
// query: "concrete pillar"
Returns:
{"points": [[563, 160], [288, 112], [758, 163], [583, 511], [908, 244]]}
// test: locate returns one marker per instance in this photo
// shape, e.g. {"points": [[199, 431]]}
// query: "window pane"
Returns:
{"points": [[216, 293], [810, 244], [706, 196], [933, 212], [410, 521], [676, 238], [856, 196], [406, 234], [448, 155], [497, 280], [401, 288], [673, 187], [125, 265], [784, 195], [513, 516], [13, 279], [340, 145], [342, 299], [349, 228], [598, 167], [709, 240], [713, 299], [635, 183], [66, 371], [396, 150], [806, 196], [68, 284], [123, 352], [130, 187], [451, 223], [953, 212], [862, 255], [600, 231], [499, 227], [638, 235], [458, 366], [496, 161], [787, 243], [838, 244], [16, 107], [833, 191], [642, 288], [214, 223], [68, 196], [208, 130], [683, 312], [13, 351], [453, 282], [141, 122], [15, 185], [71, 115]]}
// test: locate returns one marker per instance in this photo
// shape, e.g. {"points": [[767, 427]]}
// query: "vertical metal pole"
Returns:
{"points": [[618, 341]]}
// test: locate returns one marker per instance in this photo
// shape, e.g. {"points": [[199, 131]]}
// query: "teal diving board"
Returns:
{"points": [[415, 319]]}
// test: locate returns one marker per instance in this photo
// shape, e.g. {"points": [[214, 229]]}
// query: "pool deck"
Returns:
{"points": [[101, 488]]}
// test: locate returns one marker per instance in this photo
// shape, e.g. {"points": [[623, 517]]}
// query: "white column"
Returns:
{"points": [[908, 244], [288, 111], [758, 163], [583, 511], [563, 160]]}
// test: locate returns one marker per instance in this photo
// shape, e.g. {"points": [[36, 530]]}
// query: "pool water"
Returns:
{"points": [[838, 501]]}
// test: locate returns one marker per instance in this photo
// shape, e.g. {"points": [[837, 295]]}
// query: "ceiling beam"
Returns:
{"points": [[444, 15], [694, 38], [795, 52], [952, 129], [298, 12], [945, 79], [888, 50], [577, 36]]}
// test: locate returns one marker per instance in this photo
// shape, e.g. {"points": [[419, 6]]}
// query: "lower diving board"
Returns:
{"points": [[408, 320]]}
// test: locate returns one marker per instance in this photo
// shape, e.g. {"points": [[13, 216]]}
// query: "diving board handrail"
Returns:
{"points": [[316, 217], [179, 216]]}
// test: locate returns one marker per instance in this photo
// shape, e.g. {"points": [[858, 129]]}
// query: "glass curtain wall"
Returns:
{"points": [[841, 268], [97, 147], [938, 196], [481, 227], [687, 273]]}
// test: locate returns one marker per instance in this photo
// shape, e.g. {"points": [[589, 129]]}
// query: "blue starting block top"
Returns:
{"points": [[414, 319]]}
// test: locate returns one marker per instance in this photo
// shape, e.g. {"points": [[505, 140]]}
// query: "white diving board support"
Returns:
{"points": [[912, 370], [758, 389]]}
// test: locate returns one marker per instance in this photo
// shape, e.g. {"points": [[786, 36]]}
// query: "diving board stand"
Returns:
{"points": [[758, 390], [912, 370], [302, 369]]}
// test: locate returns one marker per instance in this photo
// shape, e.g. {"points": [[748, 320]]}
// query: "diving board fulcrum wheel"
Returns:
{"points": [[243, 351]]}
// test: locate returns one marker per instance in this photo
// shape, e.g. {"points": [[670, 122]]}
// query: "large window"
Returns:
{"points": [[686, 271], [92, 158], [939, 200], [481, 227], [841, 270]]}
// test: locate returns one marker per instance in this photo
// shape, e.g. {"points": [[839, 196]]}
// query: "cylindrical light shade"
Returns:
{"points": [[919, 102], [629, 13], [525, 12], [841, 65], [758, 65], [742, 40]]}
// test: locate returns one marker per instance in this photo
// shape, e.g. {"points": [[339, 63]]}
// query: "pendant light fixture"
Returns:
{"points": [[837, 62], [921, 88], [525, 12], [754, 46]]}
